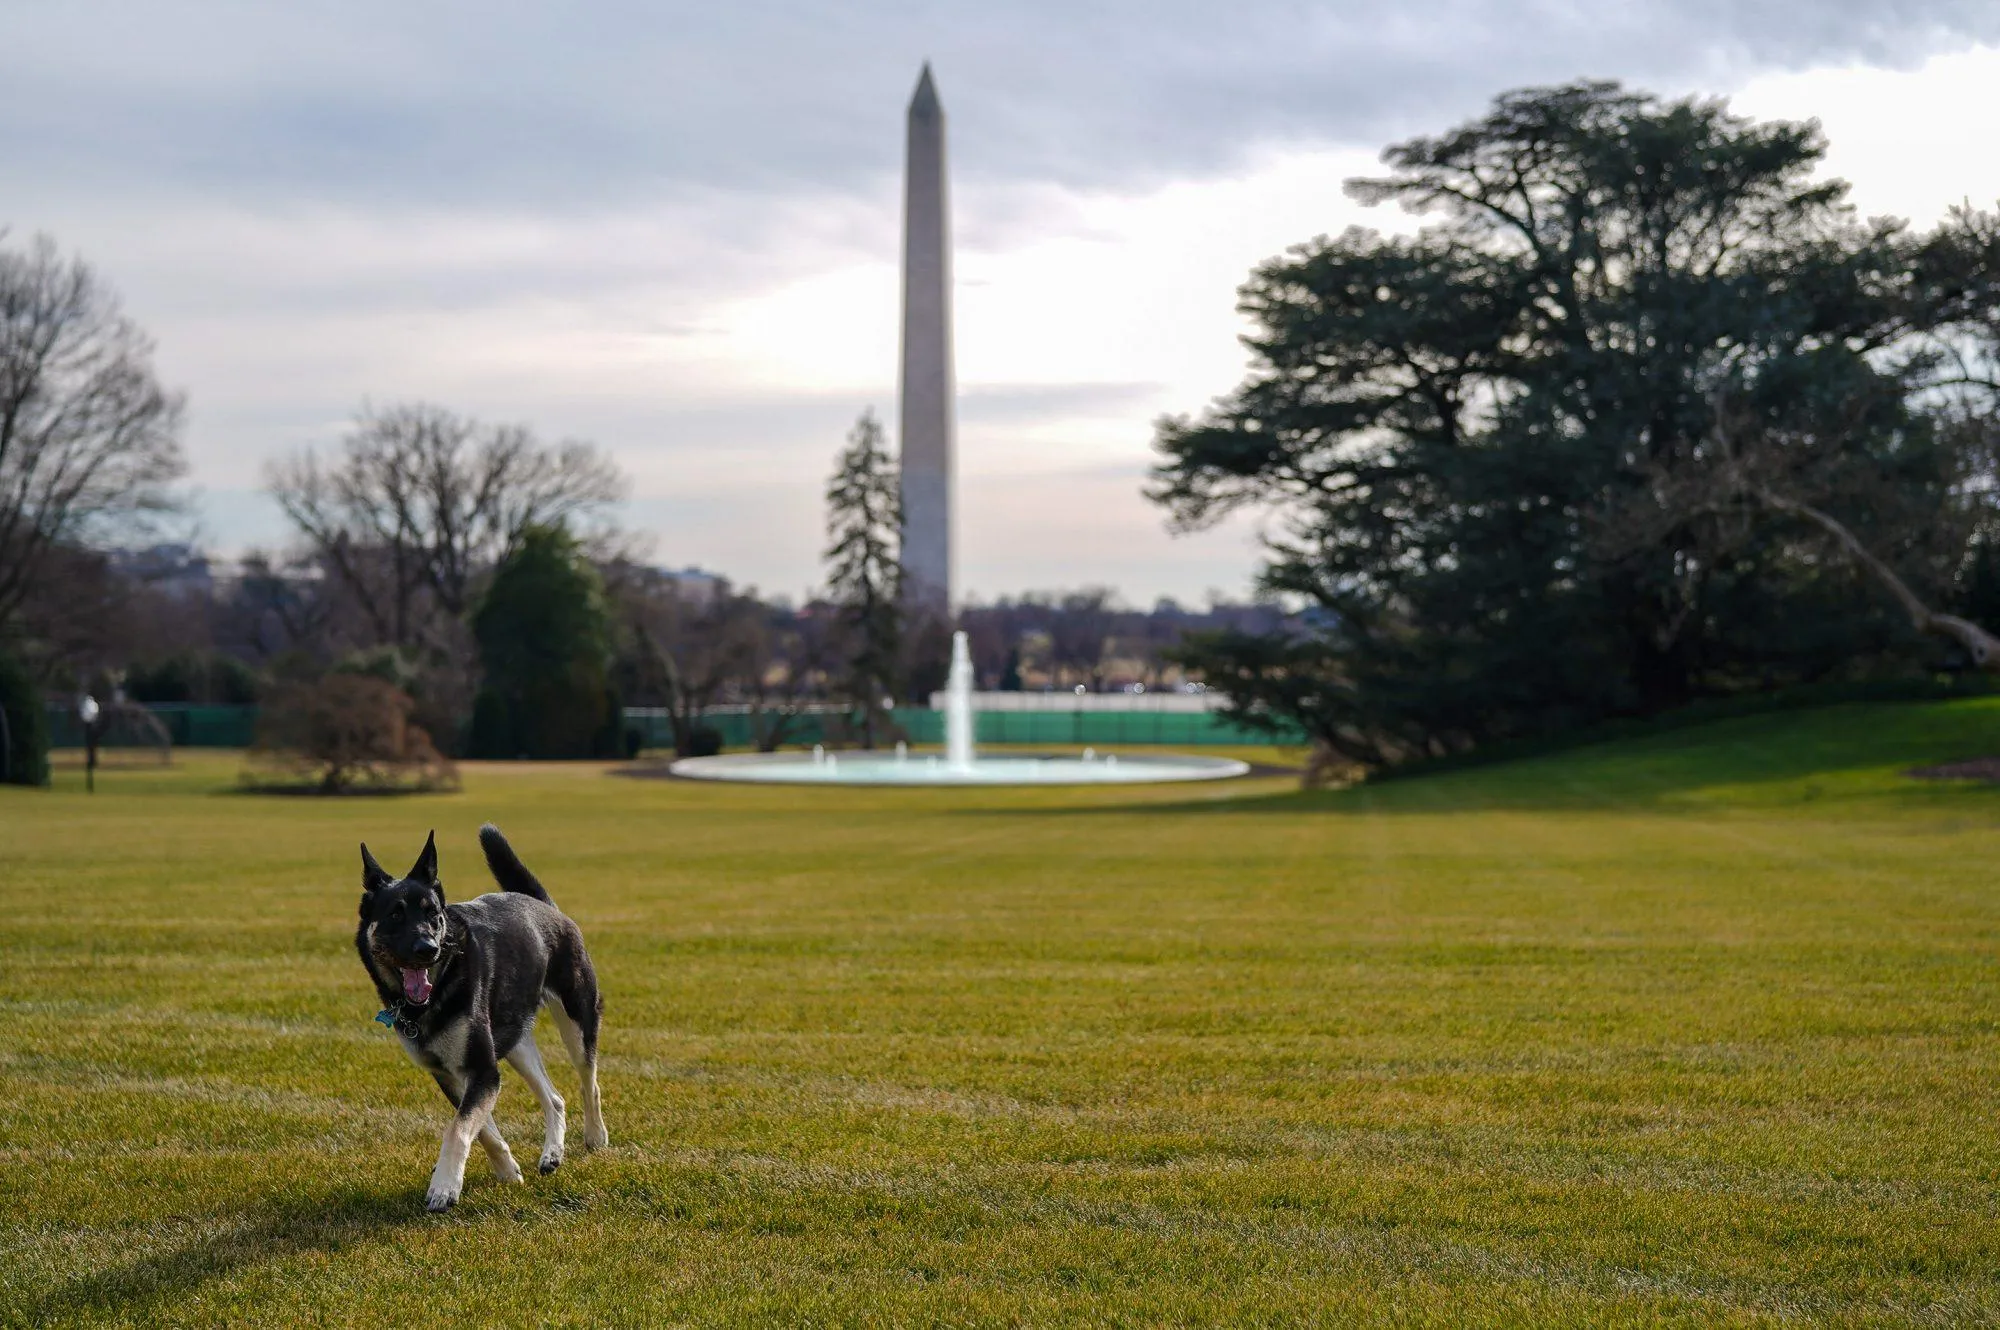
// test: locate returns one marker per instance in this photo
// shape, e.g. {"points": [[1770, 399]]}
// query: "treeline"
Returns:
{"points": [[171, 625], [451, 588]]}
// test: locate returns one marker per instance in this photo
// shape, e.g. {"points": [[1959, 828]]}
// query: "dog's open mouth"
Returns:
{"points": [[416, 985]]}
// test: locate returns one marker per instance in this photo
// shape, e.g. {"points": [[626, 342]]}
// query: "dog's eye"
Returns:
{"points": [[397, 914]]}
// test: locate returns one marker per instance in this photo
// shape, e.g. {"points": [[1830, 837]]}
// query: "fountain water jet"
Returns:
{"points": [[958, 706]]}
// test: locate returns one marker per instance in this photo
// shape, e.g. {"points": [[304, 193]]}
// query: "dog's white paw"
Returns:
{"points": [[507, 1170], [551, 1161], [594, 1136], [437, 1202]]}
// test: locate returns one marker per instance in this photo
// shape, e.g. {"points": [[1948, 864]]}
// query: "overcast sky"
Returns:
{"points": [[673, 229]]}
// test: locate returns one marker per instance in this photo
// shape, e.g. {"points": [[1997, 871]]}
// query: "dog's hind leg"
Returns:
{"points": [[579, 1035], [497, 1153], [525, 1058]]}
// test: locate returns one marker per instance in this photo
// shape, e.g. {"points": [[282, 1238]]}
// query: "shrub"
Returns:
{"points": [[27, 730], [199, 677], [344, 733]]}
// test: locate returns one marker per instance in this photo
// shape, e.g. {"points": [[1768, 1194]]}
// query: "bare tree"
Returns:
{"points": [[792, 675], [1080, 633], [88, 437], [691, 650], [418, 503], [278, 604]]}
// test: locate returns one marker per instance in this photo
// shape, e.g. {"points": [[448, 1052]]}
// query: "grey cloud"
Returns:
{"points": [[556, 107]]}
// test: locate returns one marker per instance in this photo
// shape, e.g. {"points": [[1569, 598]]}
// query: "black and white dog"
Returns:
{"points": [[461, 985]]}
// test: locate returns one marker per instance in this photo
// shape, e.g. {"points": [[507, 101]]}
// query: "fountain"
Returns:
{"points": [[958, 707], [962, 764]]}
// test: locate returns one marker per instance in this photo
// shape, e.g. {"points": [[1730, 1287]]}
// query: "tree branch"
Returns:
{"points": [[1981, 645]]}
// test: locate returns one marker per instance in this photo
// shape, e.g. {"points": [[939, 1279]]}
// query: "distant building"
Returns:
{"points": [[693, 585], [176, 569]]}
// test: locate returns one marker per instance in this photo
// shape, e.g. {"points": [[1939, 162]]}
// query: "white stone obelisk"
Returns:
{"points": [[929, 429]]}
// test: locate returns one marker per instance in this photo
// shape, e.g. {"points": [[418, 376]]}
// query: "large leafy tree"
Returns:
{"points": [[1476, 431], [864, 571]]}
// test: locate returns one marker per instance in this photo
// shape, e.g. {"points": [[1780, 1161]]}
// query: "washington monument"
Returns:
{"points": [[929, 431]]}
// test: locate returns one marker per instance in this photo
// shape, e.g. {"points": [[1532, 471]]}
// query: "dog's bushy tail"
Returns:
{"points": [[506, 866]]}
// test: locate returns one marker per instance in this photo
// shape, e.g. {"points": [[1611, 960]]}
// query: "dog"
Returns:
{"points": [[460, 985]]}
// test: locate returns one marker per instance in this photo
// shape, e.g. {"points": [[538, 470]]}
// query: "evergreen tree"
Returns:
{"points": [[545, 640], [864, 572], [24, 734], [1467, 427]]}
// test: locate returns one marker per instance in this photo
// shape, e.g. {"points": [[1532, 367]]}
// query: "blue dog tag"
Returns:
{"points": [[385, 1017]]}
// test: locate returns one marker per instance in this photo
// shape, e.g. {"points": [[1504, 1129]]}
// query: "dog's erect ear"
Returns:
{"points": [[373, 876], [426, 867]]}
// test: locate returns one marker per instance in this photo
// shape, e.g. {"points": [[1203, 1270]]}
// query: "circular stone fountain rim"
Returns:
{"points": [[928, 771]]}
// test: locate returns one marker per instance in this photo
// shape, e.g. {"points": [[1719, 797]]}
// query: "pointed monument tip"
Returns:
{"points": [[925, 100]]}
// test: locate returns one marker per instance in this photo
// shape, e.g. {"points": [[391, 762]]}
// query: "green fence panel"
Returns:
{"points": [[1111, 728], [191, 726], [187, 725]]}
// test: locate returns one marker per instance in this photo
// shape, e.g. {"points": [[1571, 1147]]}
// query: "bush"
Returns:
{"points": [[27, 738], [344, 733], [702, 741]]}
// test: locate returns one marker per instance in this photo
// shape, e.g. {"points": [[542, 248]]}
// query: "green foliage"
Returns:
{"points": [[1477, 433], [194, 676], [864, 573], [1977, 593], [545, 638], [26, 756]]}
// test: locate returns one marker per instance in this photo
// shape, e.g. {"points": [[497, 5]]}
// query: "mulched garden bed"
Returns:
{"points": [[1975, 768]]}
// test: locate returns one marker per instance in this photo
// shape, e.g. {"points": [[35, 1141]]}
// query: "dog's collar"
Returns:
{"points": [[398, 1018]]}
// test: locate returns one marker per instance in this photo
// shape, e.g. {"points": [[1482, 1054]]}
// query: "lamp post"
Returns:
{"points": [[88, 712]]}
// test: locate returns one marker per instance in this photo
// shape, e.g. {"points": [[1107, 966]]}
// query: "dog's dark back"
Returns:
{"points": [[570, 978]]}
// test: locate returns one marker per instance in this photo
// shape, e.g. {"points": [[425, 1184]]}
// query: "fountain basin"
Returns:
{"points": [[960, 763], [871, 768]]}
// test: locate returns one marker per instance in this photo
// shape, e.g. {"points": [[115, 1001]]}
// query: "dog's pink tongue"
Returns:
{"points": [[417, 985]]}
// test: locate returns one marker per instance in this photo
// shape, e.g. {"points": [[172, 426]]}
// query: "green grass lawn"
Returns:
{"points": [[1700, 1028]]}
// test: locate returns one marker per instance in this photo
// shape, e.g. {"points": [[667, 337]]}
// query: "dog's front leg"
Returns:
{"points": [[481, 1086], [497, 1152]]}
